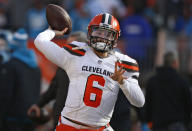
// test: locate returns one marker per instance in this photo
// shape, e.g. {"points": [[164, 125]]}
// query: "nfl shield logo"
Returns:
{"points": [[99, 61]]}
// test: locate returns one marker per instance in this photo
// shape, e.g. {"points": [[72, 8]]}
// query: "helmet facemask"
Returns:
{"points": [[102, 39]]}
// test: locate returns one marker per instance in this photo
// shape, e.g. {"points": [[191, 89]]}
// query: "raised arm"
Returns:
{"points": [[51, 50]]}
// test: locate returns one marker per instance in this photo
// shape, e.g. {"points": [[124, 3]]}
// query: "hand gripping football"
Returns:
{"points": [[58, 18]]}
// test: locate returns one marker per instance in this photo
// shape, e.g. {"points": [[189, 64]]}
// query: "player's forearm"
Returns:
{"points": [[52, 51], [46, 35], [133, 93]]}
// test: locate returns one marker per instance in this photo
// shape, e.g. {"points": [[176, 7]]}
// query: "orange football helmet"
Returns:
{"points": [[103, 32]]}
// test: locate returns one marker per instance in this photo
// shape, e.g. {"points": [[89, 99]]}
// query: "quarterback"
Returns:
{"points": [[96, 74]]}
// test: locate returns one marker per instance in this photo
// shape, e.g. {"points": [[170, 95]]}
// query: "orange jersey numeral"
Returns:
{"points": [[93, 94]]}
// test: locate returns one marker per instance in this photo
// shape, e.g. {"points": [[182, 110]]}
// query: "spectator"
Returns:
{"points": [[17, 12], [25, 80], [5, 75], [137, 33], [4, 20], [168, 103], [4, 50], [99, 6], [80, 14], [36, 19]]}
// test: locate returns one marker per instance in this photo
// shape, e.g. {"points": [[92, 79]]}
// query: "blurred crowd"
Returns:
{"points": [[149, 29]]}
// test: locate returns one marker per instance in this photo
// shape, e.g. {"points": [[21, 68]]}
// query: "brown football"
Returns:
{"points": [[58, 18]]}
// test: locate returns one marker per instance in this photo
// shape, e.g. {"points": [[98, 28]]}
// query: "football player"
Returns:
{"points": [[96, 74]]}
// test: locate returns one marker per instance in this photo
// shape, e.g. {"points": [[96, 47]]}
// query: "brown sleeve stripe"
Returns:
{"points": [[77, 52], [130, 63], [135, 77], [131, 67]]}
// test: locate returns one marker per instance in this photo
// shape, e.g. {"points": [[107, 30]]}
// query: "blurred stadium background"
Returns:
{"points": [[149, 28]]}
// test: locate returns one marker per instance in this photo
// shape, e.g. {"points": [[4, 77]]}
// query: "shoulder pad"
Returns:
{"points": [[75, 48], [128, 63], [79, 43]]}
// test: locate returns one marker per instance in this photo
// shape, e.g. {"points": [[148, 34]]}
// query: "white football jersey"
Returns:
{"points": [[92, 93]]}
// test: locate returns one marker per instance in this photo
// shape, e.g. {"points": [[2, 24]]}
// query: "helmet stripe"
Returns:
{"points": [[106, 18], [110, 20], [103, 18]]}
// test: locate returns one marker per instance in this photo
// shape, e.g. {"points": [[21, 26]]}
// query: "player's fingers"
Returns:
{"points": [[124, 77], [59, 33], [121, 68], [122, 72], [120, 80], [64, 30], [114, 76], [115, 66]]}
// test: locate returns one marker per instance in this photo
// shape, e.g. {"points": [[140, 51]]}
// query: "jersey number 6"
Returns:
{"points": [[93, 94]]}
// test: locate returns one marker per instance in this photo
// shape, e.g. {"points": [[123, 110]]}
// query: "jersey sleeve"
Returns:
{"points": [[130, 66], [130, 86], [75, 48], [61, 56]]}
